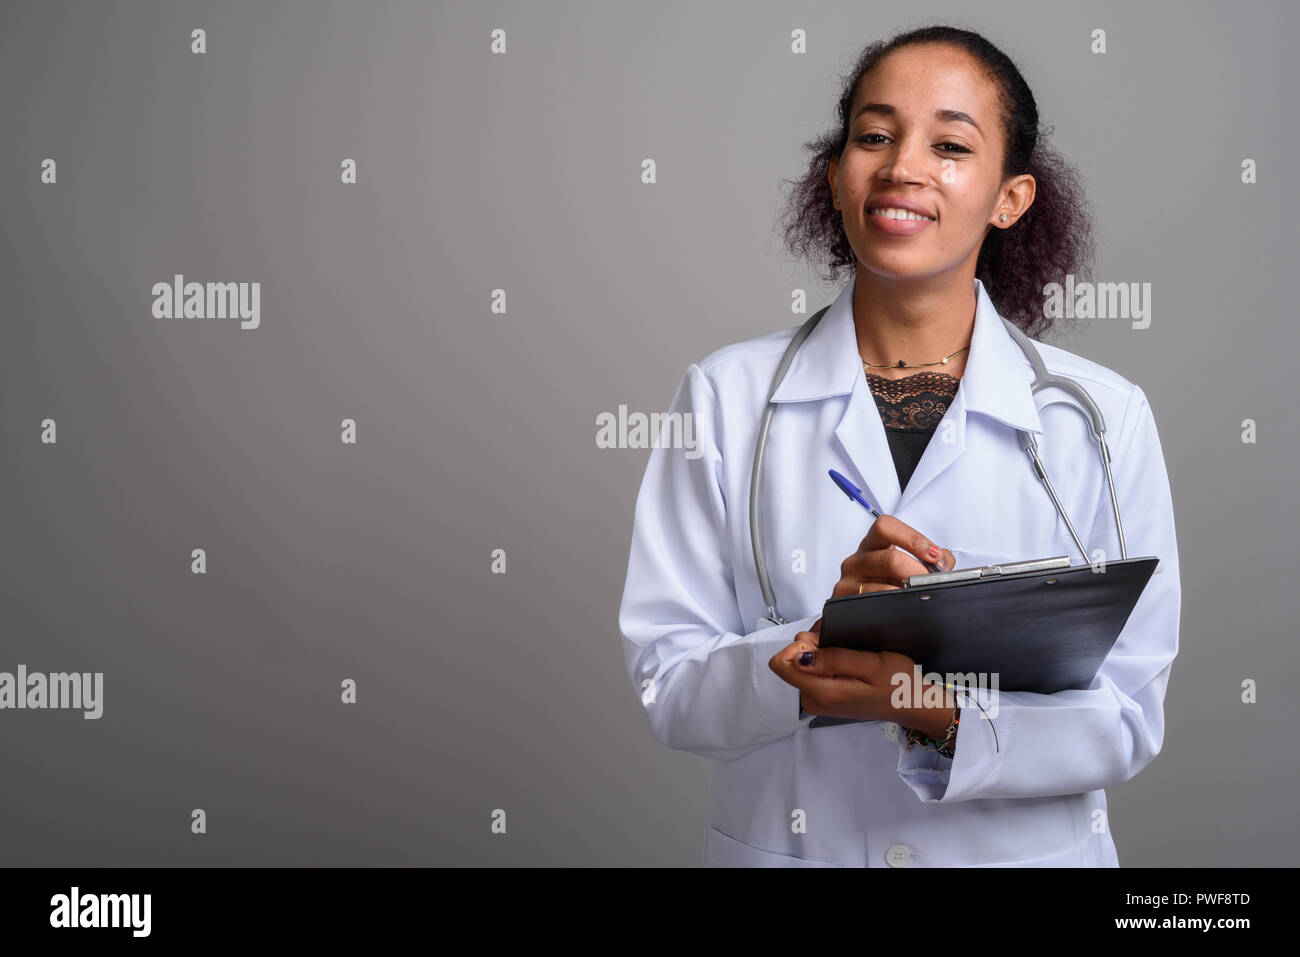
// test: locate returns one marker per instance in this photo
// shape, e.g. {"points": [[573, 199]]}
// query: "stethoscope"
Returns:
{"points": [[1043, 380]]}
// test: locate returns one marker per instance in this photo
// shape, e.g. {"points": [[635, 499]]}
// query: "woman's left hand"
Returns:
{"points": [[844, 683]]}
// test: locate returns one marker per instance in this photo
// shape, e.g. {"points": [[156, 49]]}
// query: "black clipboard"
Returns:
{"points": [[1043, 626]]}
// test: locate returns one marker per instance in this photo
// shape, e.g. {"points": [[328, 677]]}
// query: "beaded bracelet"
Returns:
{"points": [[946, 747], [927, 743]]}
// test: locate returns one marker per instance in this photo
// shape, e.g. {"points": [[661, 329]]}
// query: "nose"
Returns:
{"points": [[904, 161]]}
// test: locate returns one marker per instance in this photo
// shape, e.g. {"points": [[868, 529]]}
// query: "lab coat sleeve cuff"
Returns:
{"points": [[935, 779], [776, 701]]}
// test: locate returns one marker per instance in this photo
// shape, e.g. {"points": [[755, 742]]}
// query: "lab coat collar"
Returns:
{"points": [[996, 382]]}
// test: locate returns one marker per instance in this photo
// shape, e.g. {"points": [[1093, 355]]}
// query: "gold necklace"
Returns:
{"points": [[913, 365]]}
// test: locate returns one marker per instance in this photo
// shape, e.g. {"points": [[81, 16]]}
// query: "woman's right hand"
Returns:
{"points": [[878, 565]]}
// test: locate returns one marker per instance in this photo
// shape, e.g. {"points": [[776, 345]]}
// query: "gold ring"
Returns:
{"points": [[862, 586]]}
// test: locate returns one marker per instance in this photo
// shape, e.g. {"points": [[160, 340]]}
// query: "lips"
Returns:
{"points": [[897, 224], [897, 202]]}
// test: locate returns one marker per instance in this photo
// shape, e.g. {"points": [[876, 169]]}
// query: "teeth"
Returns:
{"points": [[892, 213]]}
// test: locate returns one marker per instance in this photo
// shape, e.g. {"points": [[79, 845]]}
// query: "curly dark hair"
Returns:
{"points": [[1052, 238]]}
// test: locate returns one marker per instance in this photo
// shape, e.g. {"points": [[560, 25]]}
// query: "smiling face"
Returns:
{"points": [[924, 132]]}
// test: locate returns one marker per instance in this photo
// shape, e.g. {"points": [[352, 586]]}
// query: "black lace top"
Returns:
{"points": [[911, 408]]}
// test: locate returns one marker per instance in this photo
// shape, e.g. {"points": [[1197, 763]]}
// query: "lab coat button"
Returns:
{"points": [[897, 856], [890, 730]]}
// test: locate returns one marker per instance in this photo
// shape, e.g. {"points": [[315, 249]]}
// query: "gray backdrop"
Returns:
{"points": [[476, 431]]}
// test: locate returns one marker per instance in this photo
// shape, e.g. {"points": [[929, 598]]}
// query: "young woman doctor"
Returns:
{"points": [[935, 190]]}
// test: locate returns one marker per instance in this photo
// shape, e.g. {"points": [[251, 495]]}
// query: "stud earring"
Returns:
{"points": [[1002, 218]]}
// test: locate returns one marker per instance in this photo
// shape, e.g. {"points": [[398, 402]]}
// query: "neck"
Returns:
{"points": [[918, 321]]}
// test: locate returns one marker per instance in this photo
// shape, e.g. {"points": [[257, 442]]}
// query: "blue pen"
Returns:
{"points": [[855, 493]]}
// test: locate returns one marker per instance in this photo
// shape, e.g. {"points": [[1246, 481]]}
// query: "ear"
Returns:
{"points": [[1017, 197]]}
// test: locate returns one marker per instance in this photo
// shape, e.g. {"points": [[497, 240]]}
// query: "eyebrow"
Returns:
{"points": [[885, 109]]}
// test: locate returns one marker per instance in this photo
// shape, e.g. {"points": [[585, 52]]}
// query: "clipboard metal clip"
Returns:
{"points": [[988, 571]]}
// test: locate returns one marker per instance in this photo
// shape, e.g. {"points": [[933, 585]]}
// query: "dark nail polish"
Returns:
{"points": [[806, 658]]}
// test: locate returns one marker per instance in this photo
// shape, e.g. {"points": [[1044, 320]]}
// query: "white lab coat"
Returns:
{"points": [[785, 794]]}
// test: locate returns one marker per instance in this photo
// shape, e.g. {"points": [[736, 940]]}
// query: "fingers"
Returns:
{"points": [[804, 657], [822, 690], [786, 661], [891, 552], [899, 533], [839, 682], [857, 586], [887, 565], [838, 662]]}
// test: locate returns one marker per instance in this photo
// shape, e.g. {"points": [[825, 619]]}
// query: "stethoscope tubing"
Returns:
{"points": [[1042, 380]]}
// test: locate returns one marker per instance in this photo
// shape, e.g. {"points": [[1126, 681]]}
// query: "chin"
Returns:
{"points": [[899, 267]]}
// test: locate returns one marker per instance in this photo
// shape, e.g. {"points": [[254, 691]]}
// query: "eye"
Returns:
{"points": [[872, 139]]}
